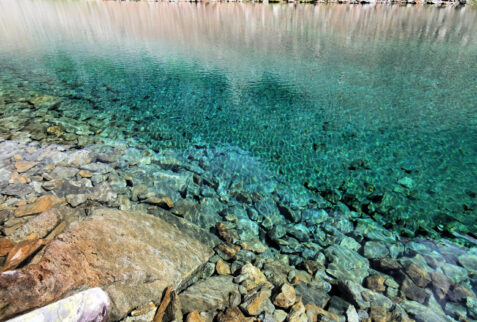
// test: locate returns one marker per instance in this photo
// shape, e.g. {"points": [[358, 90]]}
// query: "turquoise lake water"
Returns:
{"points": [[371, 106]]}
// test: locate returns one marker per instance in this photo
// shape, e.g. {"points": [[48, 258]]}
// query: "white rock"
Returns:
{"points": [[89, 305]]}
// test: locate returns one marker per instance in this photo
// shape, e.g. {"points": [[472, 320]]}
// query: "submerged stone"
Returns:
{"points": [[346, 264], [213, 293]]}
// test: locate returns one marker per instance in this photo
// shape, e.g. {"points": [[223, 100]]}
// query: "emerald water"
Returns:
{"points": [[374, 107]]}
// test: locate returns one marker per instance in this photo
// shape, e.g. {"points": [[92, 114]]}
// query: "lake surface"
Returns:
{"points": [[371, 106]]}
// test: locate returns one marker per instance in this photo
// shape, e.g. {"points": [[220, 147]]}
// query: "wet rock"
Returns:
{"points": [[440, 284], [346, 264], [97, 167], [455, 273], [47, 102], [225, 233], [469, 261], [17, 190], [297, 313], [63, 172], [277, 232], [40, 205], [388, 265], [362, 297], [206, 214], [300, 232], [89, 305], [40, 225], [276, 272], [338, 306], [194, 316], [350, 243], [4, 177], [413, 292], [351, 291], [213, 293], [267, 208], [418, 274], [457, 311], [176, 181], [422, 313], [103, 193], [288, 213], [52, 184], [233, 314], [76, 200], [375, 283], [133, 256], [314, 217], [299, 276], [406, 182], [379, 313], [327, 315], [229, 250], [375, 250], [254, 245], [162, 201], [245, 256], [279, 315], [251, 277], [182, 206], [286, 297], [85, 174], [24, 166], [373, 231], [351, 314], [222, 267], [312, 266], [459, 293], [313, 293], [471, 304], [258, 303]]}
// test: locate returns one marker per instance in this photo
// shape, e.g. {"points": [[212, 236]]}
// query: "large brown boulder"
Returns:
{"points": [[132, 256]]}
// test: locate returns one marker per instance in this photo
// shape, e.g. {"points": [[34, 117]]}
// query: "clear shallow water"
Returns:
{"points": [[371, 106]]}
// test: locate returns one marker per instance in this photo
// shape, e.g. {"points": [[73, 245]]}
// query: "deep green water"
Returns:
{"points": [[374, 107]]}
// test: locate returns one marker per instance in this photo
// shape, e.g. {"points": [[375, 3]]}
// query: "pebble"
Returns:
{"points": [[258, 303], [286, 297], [222, 267], [375, 283], [375, 250], [24, 166]]}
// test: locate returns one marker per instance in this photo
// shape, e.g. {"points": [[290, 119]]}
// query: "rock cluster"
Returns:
{"points": [[134, 222]]}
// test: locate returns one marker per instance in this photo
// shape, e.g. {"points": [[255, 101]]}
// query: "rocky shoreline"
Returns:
{"points": [[208, 234]]}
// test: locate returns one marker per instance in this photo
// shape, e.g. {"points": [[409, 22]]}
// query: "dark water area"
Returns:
{"points": [[374, 107]]}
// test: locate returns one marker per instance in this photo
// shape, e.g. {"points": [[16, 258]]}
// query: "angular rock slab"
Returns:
{"points": [[89, 305], [132, 256]]}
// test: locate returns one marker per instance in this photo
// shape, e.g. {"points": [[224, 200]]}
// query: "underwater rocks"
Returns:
{"points": [[346, 264], [272, 254], [217, 293]]}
